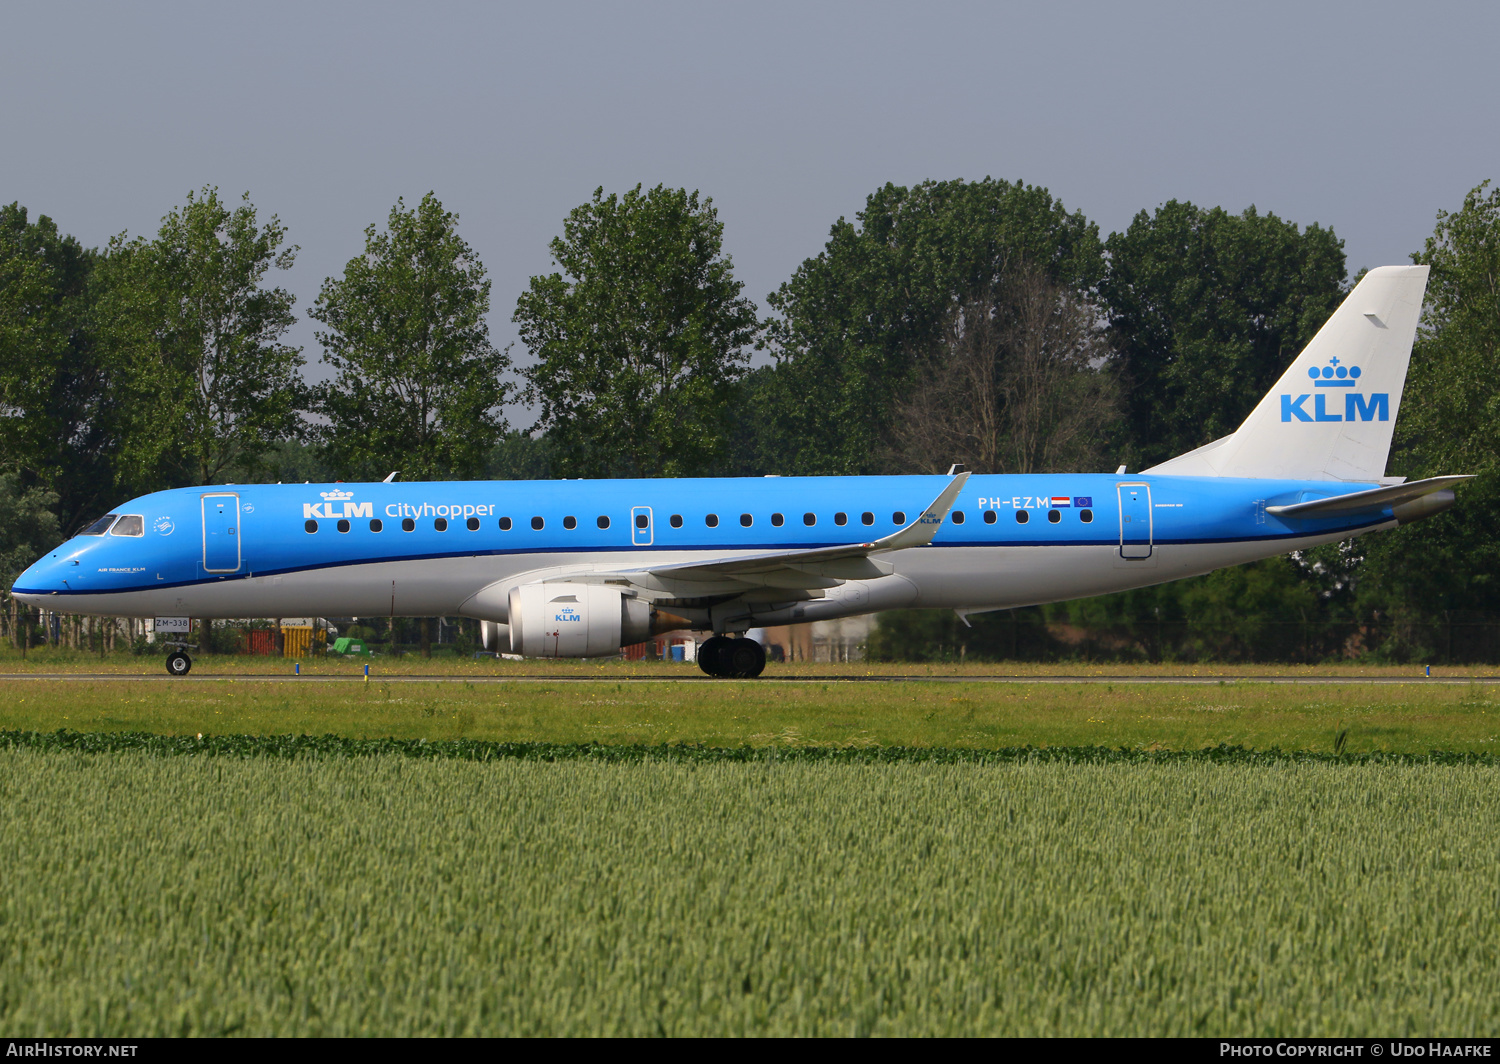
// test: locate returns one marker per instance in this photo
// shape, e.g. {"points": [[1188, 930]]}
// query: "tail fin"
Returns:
{"points": [[1331, 415]]}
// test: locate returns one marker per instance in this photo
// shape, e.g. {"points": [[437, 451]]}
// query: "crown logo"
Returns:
{"points": [[1334, 375], [336, 495]]}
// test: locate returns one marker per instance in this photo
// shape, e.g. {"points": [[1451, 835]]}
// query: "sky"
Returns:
{"points": [[1366, 117]]}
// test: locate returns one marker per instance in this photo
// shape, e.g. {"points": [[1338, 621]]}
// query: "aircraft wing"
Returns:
{"points": [[1373, 500], [797, 569]]}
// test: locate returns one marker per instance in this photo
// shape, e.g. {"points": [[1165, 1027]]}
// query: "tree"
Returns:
{"points": [[195, 343], [56, 397], [28, 529], [640, 339], [417, 384], [1449, 423], [857, 320], [1020, 384], [1207, 309]]}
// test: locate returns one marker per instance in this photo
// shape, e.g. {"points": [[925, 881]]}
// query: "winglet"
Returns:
{"points": [[920, 532]]}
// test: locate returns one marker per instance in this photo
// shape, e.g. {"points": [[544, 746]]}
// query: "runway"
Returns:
{"points": [[1146, 681]]}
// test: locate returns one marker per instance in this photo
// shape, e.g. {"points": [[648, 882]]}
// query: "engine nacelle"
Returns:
{"points": [[494, 636], [562, 620]]}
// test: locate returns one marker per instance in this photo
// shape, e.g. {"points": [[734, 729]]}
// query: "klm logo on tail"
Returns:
{"points": [[1376, 406]]}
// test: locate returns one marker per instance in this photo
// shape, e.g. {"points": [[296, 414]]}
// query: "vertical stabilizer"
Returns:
{"points": [[1331, 415]]}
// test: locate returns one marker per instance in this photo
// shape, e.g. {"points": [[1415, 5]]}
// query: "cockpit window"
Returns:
{"points": [[129, 525], [101, 526]]}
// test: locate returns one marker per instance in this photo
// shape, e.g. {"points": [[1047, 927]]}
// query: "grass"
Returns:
{"points": [[629, 856], [1411, 719], [49, 660], [385, 894]]}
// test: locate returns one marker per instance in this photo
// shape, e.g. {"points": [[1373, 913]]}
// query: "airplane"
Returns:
{"points": [[577, 568]]}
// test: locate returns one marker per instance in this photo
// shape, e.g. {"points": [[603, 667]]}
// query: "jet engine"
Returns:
{"points": [[495, 637], [562, 620]]}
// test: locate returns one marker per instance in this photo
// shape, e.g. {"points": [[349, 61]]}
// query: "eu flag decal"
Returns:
{"points": [[1084, 500]]}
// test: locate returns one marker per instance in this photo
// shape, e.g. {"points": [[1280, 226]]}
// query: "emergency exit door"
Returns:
{"points": [[221, 533], [640, 526], [1135, 520]]}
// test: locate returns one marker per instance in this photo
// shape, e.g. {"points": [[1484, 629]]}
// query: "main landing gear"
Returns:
{"points": [[178, 662], [732, 659]]}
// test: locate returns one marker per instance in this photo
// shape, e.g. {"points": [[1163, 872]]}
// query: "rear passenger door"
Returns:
{"points": [[1135, 520]]}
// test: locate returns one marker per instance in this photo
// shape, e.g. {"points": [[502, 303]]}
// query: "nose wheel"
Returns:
{"points": [[178, 662], [732, 659]]}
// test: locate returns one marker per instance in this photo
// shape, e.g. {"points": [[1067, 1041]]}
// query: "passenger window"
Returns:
{"points": [[504, 524], [1054, 516], [1022, 517], [472, 524], [343, 526], [375, 524], [310, 526], [570, 523], [778, 520], [712, 520], [746, 520], [867, 518], [538, 524], [1086, 516], [809, 519], [989, 517], [407, 525], [603, 521], [441, 524], [676, 520], [129, 525], [641, 520], [957, 516], [899, 517], [99, 527], [841, 518]]}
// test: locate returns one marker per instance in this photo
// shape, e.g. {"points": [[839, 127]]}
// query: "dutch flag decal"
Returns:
{"points": [[1062, 500]]}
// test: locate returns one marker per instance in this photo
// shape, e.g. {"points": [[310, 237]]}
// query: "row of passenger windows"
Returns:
{"points": [[711, 520]]}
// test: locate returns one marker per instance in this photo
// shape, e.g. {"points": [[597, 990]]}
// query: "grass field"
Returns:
{"points": [[822, 857], [49, 660], [1402, 719], [390, 895]]}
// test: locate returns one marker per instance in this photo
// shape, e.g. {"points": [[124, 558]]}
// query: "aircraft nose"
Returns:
{"points": [[42, 580]]}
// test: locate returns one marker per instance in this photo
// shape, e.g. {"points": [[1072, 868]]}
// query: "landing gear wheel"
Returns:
{"points": [[711, 656], [739, 659], [746, 659], [178, 663]]}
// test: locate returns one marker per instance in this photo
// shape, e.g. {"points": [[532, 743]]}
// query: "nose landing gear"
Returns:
{"points": [[732, 659], [178, 662]]}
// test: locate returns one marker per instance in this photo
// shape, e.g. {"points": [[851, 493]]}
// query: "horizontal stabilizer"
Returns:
{"points": [[1372, 501]]}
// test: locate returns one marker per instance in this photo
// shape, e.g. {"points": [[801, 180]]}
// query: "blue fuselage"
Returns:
{"points": [[341, 549]]}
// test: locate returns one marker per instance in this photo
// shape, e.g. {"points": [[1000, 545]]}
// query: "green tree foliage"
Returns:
{"points": [[1449, 423], [55, 397], [28, 527], [1021, 382], [195, 343], [1207, 309], [858, 319], [520, 455], [640, 339], [418, 385]]}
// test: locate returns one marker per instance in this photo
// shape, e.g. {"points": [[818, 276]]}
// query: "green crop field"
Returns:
{"points": [[778, 893]]}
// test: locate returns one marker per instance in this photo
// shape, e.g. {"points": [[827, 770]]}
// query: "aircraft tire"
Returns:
{"points": [[711, 656], [746, 659], [178, 663]]}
